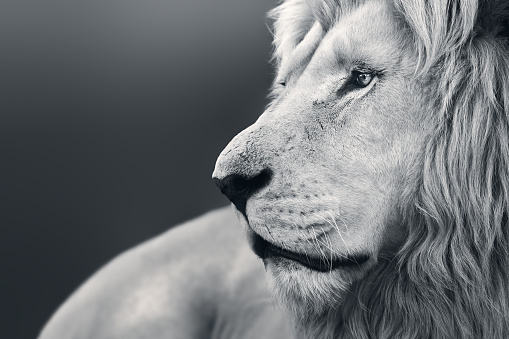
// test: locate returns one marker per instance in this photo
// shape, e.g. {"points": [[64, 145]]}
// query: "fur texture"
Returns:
{"points": [[450, 277]]}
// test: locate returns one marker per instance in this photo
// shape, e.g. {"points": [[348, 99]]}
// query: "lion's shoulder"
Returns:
{"points": [[178, 284]]}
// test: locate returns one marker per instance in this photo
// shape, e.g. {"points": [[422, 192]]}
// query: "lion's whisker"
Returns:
{"points": [[330, 248], [335, 223], [305, 238], [327, 221], [339, 233], [342, 220], [320, 247]]}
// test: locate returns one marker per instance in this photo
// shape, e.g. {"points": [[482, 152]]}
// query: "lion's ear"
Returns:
{"points": [[292, 20]]}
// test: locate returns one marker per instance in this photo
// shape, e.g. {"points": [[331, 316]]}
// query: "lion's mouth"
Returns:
{"points": [[266, 250]]}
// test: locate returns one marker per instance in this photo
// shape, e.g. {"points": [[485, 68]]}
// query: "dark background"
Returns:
{"points": [[112, 114]]}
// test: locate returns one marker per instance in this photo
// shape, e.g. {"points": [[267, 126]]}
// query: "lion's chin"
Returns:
{"points": [[304, 284], [304, 292]]}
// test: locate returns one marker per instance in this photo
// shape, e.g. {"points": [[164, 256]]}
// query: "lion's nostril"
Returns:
{"points": [[238, 188]]}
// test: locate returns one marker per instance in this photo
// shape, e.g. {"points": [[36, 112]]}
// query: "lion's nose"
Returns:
{"points": [[238, 188]]}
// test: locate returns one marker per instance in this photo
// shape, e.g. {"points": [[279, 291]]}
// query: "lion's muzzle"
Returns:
{"points": [[242, 169]]}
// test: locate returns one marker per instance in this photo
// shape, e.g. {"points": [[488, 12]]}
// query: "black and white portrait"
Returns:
{"points": [[333, 169]]}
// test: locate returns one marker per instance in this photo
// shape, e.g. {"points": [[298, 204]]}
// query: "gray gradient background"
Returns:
{"points": [[112, 114]]}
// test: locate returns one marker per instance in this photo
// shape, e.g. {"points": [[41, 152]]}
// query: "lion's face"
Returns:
{"points": [[322, 176]]}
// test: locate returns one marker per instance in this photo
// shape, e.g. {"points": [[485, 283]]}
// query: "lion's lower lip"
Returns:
{"points": [[266, 250]]}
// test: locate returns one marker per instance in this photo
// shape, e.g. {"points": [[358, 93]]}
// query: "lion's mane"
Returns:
{"points": [[450, 278]]}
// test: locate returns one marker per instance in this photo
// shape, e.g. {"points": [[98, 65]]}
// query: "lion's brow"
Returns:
{"points": [[327, 12]]}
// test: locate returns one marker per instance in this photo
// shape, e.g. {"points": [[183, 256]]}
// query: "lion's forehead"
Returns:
{"points": [[328, 11]]}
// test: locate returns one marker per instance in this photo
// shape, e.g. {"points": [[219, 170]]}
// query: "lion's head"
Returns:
{"points": [[375, 187]]}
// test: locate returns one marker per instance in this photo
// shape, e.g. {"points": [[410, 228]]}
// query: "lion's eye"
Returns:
{"points": [[361, 79]]}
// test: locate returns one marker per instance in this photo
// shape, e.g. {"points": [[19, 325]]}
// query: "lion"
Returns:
{"points": [[374, 189]]}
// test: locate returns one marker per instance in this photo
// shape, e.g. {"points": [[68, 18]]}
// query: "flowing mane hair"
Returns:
{"points": [[450, 277]]}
